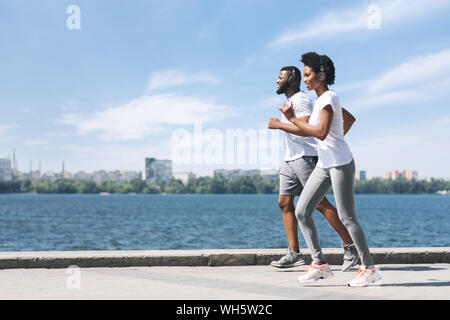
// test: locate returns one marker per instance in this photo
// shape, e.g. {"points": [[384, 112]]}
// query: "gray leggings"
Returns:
{"points": [[320, 180]]}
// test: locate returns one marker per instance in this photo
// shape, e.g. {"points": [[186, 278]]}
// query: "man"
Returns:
{"points": [[299, 162]]}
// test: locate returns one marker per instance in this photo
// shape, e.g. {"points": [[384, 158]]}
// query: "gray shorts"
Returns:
{"points": [[295, 173]]}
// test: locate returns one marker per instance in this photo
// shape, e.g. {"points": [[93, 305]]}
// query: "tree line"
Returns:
{"points": [[401, 186], [212, 185]]}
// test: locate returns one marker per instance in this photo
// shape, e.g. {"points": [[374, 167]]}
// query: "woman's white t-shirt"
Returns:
{"points": [[333, 151]]}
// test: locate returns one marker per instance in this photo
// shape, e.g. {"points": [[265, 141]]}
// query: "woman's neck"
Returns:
{"points": [[321, 90]]}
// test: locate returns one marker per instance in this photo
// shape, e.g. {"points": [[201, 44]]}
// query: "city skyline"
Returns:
{"points": [[112, 90], [150, 172]]}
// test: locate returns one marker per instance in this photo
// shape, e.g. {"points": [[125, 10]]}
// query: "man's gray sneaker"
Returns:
{"points": [[351, 257], [291, 259]]}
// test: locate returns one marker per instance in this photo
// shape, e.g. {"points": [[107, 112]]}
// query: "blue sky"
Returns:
{"points": [[113, 92]]}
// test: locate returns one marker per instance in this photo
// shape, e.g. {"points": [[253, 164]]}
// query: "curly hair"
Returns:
{"points": [[314, 60]]}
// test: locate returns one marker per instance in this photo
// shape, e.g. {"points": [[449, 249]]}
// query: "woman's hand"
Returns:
{"points": [[307, 130]]}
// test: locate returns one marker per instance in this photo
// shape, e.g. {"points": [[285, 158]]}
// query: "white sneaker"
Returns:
{"points": [[365, 277], [316, 272]]}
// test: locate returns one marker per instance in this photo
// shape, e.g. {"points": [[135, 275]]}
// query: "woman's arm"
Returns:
{"points": [[319, 132], [275, 123], [349, 120]]}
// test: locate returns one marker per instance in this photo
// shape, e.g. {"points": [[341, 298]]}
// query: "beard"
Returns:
{"points": [[283, 88]]}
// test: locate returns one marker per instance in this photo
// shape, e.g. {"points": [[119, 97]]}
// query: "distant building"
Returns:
{"points": [[99, 176], [158, 170], [5, 170], [23, 176], [50, 176], [269, 175], [103, 176], [184, 176], [34, 176], [235, 173], [395, 174], [360, 175], [65, 174], [411, 175], [81, 175], [131, 175]]}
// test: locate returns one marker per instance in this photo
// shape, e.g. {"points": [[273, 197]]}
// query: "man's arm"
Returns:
{"points": [[349, 120]]}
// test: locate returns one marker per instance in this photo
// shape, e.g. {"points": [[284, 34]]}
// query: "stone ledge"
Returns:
{"points": [[219, 257]]}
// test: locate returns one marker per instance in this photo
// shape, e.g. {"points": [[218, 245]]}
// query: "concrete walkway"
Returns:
{"points": [[407, 273], [255, 282]]}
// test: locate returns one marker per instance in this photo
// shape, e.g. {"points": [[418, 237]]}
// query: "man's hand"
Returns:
{"points": [[288, 111], [274, 123]]}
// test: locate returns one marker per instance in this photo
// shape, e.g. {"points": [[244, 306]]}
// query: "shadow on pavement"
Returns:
{"points": [[419, 284], [411, 268]]}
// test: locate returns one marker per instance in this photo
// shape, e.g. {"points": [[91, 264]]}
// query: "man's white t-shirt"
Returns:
{"points": [[333, 150], [297, 146]]}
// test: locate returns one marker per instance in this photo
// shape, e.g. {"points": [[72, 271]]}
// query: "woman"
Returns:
{"points": [[335, 167]]}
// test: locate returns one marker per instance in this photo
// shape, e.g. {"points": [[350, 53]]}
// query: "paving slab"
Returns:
{"points": [[252, 282]]}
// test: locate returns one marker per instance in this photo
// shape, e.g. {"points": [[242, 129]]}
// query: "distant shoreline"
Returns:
{"points": [[214, 185]]}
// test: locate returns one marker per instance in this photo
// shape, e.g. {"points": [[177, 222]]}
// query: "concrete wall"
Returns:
{"points": [[222, 257]]}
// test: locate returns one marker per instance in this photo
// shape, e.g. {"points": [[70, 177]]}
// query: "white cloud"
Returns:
{"points": [[329, 24], [171, 78], [4, 128], [333, 23], [444, 121], [422, 147], [272, 102], [70, 105], [25, 109], [352, 86], [428, 69], [416, 80], [37, 142], [151, 112], [148, 114], [389, 98]]}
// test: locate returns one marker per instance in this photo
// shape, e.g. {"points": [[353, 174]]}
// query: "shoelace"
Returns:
{"points": [[309, 268], [361, 272], [312, 266]]}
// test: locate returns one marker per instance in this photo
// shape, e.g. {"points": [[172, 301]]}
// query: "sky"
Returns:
{"points": [[103, 85]]}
